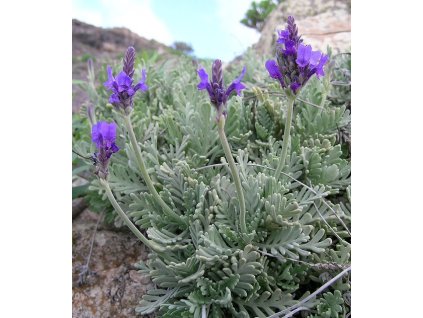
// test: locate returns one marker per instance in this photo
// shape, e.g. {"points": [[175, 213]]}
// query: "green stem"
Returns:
{"points": [[141, 165], [152, 245], [234, 172], [286, 136]]}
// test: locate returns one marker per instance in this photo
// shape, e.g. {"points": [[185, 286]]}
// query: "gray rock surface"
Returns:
{"points": [[109, 42], [114, 287]]}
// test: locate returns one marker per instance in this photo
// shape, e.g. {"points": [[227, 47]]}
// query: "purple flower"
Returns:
{"points": [[315, 57], [295, 62], [218, 93], [236, 84], [103, 135], [319, 68], [303, 55], [283, 36], [274, 72], [290, 48], [122, 86]]}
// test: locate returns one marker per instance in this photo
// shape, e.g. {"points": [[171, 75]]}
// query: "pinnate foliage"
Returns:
{"points": [[293, 222]]}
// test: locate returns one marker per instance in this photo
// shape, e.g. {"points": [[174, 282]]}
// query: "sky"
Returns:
{"points": [[211, 27]]}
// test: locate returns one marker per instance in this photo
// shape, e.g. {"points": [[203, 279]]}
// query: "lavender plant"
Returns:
{"points": [[296, 64], [219, 97], [239, 223]]}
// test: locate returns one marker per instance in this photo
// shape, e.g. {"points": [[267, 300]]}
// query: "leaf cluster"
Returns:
{"points": [[297, 223]]}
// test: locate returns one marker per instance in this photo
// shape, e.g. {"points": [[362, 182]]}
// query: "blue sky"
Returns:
{"points": [[212, 27]]}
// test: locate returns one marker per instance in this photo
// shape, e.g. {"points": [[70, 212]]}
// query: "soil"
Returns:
{"points": [[113, 286]]}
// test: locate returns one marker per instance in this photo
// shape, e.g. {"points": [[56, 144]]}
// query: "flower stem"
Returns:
{"points": [[286, 136], [141, 165], [318, 291], [203, 311], [234, 172], [152, 245]]}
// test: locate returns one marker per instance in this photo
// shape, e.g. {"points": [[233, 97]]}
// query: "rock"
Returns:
{"points": [[320, 22], [96, 41], [113, 287]]}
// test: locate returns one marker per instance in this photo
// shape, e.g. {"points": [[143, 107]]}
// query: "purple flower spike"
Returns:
{"points": [[122, 86], [295, 62], [216, 89], [103, 134], [129, 61], [293, 30]]}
